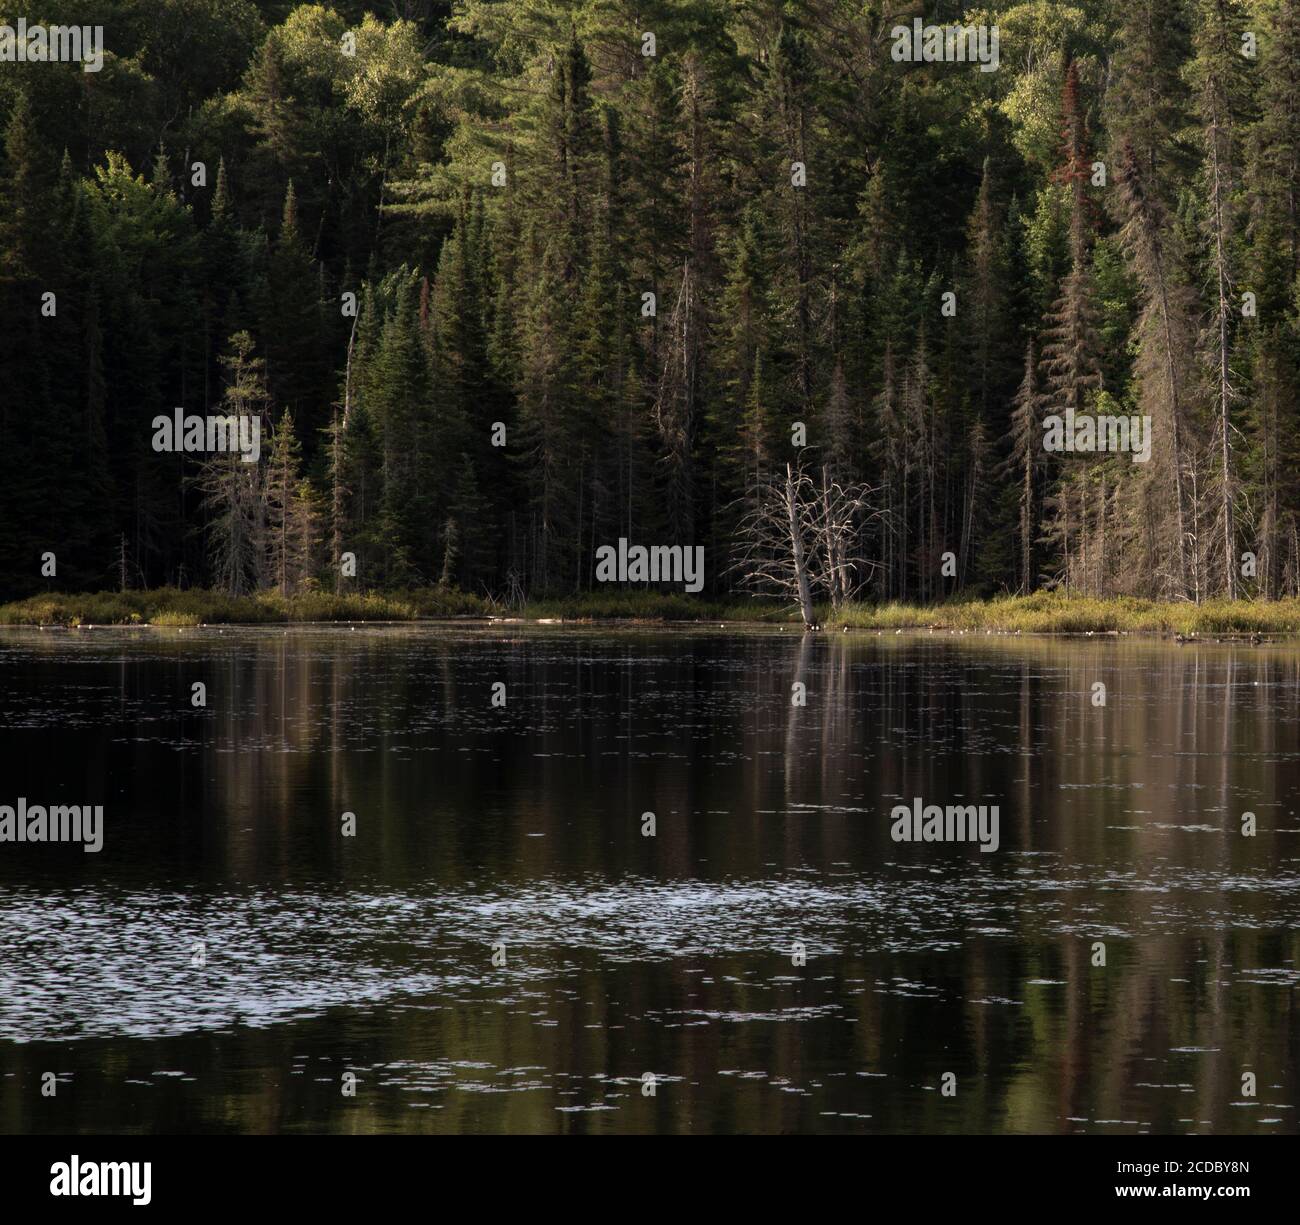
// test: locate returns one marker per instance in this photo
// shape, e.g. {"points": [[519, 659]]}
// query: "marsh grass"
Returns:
{"points": [[1041, 613], [1055, 613], [170, 606]]}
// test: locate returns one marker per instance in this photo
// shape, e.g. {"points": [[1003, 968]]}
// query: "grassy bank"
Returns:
{"points": [[1053, 613], [171, 606], [1042, 613]]}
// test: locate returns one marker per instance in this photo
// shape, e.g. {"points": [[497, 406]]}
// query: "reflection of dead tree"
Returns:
{"points": [[800, 539]]}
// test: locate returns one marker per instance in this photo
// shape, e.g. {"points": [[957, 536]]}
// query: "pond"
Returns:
{"points": [[407, 879]]}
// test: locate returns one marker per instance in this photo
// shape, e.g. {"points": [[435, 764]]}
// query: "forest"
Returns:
{"points": [[506, 282]]}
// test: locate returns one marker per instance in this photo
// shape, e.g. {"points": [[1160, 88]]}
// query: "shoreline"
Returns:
{"points": [[1041, 614]]}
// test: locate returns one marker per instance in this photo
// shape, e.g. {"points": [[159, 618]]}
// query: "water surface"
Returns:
{"points": [[481, 826]]}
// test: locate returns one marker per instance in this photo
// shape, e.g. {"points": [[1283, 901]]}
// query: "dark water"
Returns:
{"points": [[625, 954]]}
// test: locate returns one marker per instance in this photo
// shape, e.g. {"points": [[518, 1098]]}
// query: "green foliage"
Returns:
{"points": [[504, 187]]}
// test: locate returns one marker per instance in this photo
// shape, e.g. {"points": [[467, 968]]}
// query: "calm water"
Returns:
{"points": [[627, 954]]}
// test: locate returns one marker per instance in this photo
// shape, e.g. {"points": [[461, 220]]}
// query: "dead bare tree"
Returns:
{"points": [[801, 539]]}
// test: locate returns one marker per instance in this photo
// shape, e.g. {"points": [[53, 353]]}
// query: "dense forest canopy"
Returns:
{"points": [[609, 285]]}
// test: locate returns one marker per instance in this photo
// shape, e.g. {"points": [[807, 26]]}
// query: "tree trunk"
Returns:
{"points": [[796, 551]]}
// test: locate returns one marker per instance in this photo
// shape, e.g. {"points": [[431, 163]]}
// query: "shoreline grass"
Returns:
{"points": [[170, 606], [1041, 613], [1055, 613]]}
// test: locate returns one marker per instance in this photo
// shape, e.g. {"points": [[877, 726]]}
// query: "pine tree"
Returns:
{"points": [[291, 322], [1221, 92], [986, 298], [232, 491], [1025, 463], [280, 489], [1165, 342]]}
